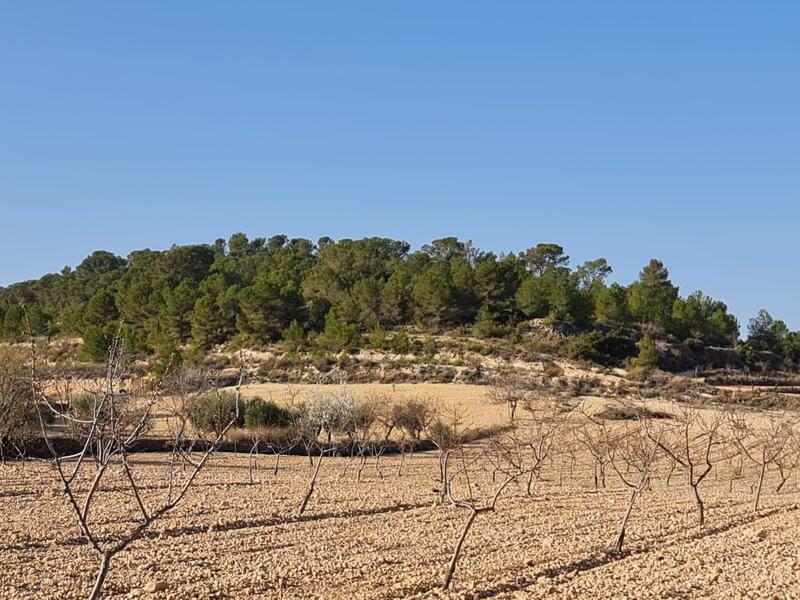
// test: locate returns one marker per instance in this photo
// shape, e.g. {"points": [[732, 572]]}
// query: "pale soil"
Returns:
{"points": [[387, 538]]}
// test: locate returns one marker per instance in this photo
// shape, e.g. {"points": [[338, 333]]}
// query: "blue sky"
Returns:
{"points": [[628, 130]]}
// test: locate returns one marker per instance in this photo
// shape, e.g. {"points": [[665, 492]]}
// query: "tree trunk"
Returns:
{"points": [[448, 576], [621, 535], [784, 479], [361, 465], [758, 489], [311, 485], [701, 509], [532, 479], [105, 561]]}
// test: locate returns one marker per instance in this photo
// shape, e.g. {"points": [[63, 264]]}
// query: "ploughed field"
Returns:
{"points": [[388, 536]]}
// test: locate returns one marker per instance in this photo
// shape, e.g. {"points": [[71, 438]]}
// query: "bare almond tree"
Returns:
{"points": [[788, 460], [537, 439], [446, 435], [408, 418], [595, 437], [636, 451], [279, 440], [689, 443], [509, 389], [115, 422], [762, 443], [359, 424], [506, 459]]}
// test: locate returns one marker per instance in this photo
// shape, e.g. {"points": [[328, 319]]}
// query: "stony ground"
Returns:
{"points": [[388, 538]]}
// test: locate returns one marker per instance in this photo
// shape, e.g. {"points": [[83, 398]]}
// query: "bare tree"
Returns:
{"points": [[447, 436], [762, 444], [109, 435], [509, 389], [410, 417], [595, 437], [505, 456], [637, 452], [788, 460], [279, 440], [689, 444], [537, 439]]}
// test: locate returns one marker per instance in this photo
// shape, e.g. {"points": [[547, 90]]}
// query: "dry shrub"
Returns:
{"points": [[410, 416], [475, 434], [212, 411], [552, 370], [636, 373], [444, 435], [583, 386], [18, 420], [275, 437], [630, 413]]}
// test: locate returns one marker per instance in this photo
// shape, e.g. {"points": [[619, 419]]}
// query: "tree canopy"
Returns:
{"points": [[266, 289]]}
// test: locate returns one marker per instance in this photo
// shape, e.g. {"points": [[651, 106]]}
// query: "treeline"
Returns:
{"points": [[328, 293]]}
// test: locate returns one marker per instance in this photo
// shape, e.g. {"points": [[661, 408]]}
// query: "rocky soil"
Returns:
{"points": [[387, 537]]}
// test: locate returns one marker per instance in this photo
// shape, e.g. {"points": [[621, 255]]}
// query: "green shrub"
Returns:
{"points": [[211, 412], [294, 338], [429, 346], [604, 348], [83, 404], [266, 413], [96, 341], [338, 334], [322, 362], [485, 326], [289, 360], [167, 355], [474, 347], [646, 361], [400, 343], [695, 344], [377, 339]]}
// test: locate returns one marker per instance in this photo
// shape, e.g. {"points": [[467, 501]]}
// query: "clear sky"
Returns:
{"points": [[628, 130]]}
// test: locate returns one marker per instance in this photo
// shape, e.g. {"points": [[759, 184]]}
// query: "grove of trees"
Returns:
{"points": [[264, 290]]}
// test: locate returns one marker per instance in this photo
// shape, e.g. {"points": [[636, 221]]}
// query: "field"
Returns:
{"points": [[389, 535]]}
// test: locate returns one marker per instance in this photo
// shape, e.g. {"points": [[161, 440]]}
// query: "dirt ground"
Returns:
{"points": [[470, 400], [387, 537]]}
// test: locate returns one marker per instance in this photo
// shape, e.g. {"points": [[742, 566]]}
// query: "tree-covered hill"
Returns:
{"points": [[265, 289]]}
